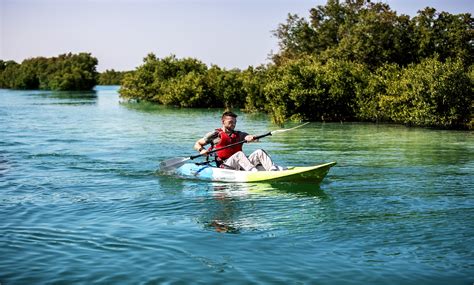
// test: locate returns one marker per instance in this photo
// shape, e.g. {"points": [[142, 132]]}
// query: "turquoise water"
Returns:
{"points": [[81, 201]]}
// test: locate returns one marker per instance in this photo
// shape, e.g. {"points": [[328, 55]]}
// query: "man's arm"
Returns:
{"points": [[199, 146], [201, 143]]}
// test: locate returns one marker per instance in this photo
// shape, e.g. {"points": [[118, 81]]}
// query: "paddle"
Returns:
{"points": [[176, 162]]}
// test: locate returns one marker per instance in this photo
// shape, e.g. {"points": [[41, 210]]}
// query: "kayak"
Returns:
{"points": [[312, 174]]}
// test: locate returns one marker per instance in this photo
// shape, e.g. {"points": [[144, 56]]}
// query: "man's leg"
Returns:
{"points": [[261, 157], [239, 161]]}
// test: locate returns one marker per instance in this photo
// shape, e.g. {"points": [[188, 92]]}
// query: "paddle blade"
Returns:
{"points": [[173, 163]]}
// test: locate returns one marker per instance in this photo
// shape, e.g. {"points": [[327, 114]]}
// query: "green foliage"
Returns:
{"points": [[111, 77], [188, 90], [351, 60], [306, 89], [376, 84], [227, 87], [183, 82], [432, 94], [65, 72], [377, 36], [8, 73], [444, 35], [373, 34], [153, 80], [253, 84]]}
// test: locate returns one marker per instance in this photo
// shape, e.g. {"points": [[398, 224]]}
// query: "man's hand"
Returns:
{"points": [[250, 138]]}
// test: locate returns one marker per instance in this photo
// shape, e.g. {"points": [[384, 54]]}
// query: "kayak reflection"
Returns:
{"points": [[240, 207]]}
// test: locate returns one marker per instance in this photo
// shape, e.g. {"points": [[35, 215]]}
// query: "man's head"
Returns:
{"points": [[229, 114], [229, 120]]}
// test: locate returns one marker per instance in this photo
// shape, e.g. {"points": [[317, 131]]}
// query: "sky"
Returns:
{"points": [[120, 33]]}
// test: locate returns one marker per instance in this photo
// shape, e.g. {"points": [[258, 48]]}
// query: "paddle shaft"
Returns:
{"points": [[230, 145]]}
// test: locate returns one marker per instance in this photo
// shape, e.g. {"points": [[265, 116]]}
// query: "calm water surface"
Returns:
{"points": [[81, 201]]}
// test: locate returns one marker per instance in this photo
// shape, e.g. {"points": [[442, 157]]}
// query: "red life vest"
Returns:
{"points": [[225, 141]]}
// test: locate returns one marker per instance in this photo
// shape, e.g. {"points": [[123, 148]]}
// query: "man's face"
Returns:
{"points": [[229, 122]]}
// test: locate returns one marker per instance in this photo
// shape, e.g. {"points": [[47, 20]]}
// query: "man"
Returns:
{"points": [[233, 157]]}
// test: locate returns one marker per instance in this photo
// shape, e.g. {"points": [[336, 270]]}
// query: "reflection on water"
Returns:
{"points": [[235, 207], [300, 189], [67, 98], [151, 108], [68, 95]]}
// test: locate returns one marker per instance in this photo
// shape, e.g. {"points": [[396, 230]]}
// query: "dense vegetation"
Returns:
{"points": [[373, 34], [111, 77], [350, 60], [354, 60], [183, 82], [65, 72]]}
